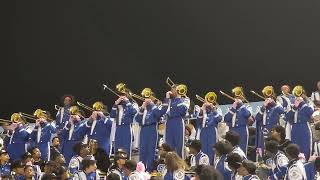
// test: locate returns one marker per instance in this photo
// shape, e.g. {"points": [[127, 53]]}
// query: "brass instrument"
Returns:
{"points": [[74, 110], [5, 121], [121, 87], [56, 107], [106, 87], [267, 92], [146, 93], [97, 106], [210, 97], [39, 113], [181, 88], [298, 91], [227, 95], [238, 92], [200, 98], [257, 94], [85, 106], [169, 82]]}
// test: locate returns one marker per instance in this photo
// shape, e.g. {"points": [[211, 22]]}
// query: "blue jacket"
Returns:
{"points": [[242, 114], [178, 108], [100, 130], [127, 110], [152, 116], [46, 132], [279, 164], [304, 114], [61, 119], [213, 118]]}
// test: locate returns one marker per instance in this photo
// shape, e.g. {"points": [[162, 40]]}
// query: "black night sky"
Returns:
{"points": [[58, 47]]}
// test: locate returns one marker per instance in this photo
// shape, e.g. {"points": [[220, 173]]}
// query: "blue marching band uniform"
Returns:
{"points": [[73, 128]]}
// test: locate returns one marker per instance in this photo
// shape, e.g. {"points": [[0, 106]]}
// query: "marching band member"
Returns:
{"points": [[5, 166], [295, 168], [286, 100], [234, 138], [197, 156], [176, 111], [81, 150], [237, 118], [88, 171], [123, 111], [148, 118], [247, 170], [120, 158], [175, 167], [299, 116], [72, 134], [278, 159], [267, 117], [17, 138], [315, 96], [63, 113], [222, 149], [208, 120], [100, 127], [41, 134]]}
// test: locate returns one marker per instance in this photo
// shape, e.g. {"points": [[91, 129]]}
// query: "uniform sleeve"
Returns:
{"points": [[229, 115], [113, 113], [216, 118], [244, 112], [81, 131], [163, 108], [279, 109], [25, 135], [130, 108], [139, 116], [290, 115], [307, 111], [53, 129]]}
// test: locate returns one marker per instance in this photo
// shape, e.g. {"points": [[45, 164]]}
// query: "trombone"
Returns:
{"points": [[257, 94], [200, 98], [56, 107], [5, 121], [106, 87], [32, 117], [85, 106], [169, 82], [89, 108], [140, 97], [232, 98], [127, 92]]}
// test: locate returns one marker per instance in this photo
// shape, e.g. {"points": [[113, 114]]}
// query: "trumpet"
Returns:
{"points": [[56, 107], [257, 94]]}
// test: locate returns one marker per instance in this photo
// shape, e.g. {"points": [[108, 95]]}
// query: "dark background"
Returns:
{"points": [[58, 47]]}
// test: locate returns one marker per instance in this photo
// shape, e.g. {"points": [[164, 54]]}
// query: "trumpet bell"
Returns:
{"points": [[15, 117], [268, 91], [211, 97], [121, 87], [298, 91], [98, 106], [146, 93], [182, 89]]}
